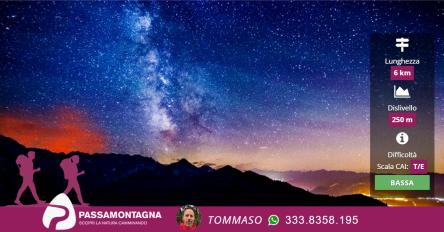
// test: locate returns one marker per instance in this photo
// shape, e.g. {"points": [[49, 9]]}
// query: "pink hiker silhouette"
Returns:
{"points": [[71, 173], [26, 166]]}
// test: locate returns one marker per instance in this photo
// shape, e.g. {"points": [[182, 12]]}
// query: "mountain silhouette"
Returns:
{"points": [[119, 179], [338, 182]]}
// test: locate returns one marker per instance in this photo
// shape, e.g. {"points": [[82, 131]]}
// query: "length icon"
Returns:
{"points": [[402, 43]]}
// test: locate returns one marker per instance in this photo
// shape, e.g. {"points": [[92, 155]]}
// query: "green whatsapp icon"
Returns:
{"points": [[273, 220]]}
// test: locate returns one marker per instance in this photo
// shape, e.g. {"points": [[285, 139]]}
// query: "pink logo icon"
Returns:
{"points": [[60, 210]]}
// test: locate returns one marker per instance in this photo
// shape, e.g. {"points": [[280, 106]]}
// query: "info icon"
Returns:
{"points": [[402, 138]]}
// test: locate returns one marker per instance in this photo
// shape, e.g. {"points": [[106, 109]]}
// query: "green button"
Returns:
{"points": [[402, 182]]}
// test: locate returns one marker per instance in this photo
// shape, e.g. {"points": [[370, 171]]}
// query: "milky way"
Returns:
{"points": [[253, 84]]}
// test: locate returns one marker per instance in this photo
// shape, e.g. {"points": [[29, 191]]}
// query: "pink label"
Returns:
{"points": [[402, 73], [418, 167], [402, 119]]}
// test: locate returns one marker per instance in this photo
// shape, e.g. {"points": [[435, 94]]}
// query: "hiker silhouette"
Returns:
{"points": [[70, 171], [26, 167]]}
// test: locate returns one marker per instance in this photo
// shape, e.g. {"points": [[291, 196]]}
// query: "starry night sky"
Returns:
{"points": [[275, 86]]}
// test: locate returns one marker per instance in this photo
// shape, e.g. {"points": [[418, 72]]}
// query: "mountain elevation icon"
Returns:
{"points": [[400, 92]]}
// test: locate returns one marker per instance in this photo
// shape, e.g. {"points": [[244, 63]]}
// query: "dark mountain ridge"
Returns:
{"points": [[115, 179]]}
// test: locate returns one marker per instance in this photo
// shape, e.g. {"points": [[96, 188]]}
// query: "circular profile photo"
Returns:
{"points": [[188, 217]]}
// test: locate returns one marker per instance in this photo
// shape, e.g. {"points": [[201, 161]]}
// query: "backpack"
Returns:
{"points": [[20, 161]]}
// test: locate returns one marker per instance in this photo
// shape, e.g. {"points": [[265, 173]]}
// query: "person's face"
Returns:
{"points": [[188, 217], [75, 159]]}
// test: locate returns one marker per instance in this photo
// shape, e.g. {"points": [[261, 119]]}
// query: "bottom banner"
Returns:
{"points": [[56, 217]]}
